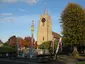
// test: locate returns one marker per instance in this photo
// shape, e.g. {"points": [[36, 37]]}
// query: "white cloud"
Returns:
{"points": [[8, 1], [7, 19], [6, 14], [31, 1], [14, 1], [23, 10]]}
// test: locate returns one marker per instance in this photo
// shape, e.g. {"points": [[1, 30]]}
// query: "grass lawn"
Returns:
{"points": [[83, 62]]}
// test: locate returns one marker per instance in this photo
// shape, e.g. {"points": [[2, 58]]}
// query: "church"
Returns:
{"points": [[45, 32]]}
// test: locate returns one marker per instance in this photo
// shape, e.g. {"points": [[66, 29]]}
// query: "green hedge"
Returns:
{"points": [[46, 45], [7, 49], [83, 62]]}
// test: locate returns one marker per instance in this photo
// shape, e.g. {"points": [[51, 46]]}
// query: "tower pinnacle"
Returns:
{"points": [[45, 10]]}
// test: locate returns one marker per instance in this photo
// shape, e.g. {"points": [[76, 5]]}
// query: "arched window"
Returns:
{"points": [[43, 38]]}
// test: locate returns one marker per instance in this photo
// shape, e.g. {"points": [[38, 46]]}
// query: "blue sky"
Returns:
{"points": [[16, 16]]}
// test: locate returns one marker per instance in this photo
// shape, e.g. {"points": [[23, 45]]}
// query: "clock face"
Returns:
{"points": [[43, 19]]}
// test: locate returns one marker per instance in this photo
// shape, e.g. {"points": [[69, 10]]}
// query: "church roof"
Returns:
{"points": [[56, 35]]}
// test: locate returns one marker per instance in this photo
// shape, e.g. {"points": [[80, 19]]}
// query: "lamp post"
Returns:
{"points": [[32, 43], [32, 30]]}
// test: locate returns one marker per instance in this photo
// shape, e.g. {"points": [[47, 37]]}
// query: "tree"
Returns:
{"points": [[12, 41], [1, 43], [73, 24], [20, 42], [5, 44], [28, 41]]}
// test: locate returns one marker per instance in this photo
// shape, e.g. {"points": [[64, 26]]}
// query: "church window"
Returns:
{"points": [[43, 38]]}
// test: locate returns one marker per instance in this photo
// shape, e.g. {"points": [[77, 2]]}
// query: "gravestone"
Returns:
{"points": [[75, 52]]}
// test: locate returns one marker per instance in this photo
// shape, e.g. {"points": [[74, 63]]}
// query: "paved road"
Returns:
{"points": [[26, 61]]}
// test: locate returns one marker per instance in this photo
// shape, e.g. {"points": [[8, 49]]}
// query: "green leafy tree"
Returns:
{"points": [[5, 44], [73, 24], [56, 44]]}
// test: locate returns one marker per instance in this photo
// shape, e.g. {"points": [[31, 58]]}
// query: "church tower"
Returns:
{"points": [[44, 28]]}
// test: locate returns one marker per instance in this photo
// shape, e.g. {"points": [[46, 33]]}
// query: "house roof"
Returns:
{"points": [[1, 42], [56, 35]]}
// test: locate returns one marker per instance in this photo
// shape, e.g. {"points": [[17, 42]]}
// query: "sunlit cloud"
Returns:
{"points": [[6, 14], [23, 10], [8, 1], [31, 1], [7, 19], [14, 1]]}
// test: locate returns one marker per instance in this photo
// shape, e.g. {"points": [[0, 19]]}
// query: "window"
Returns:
{"points": [[43, 38], [43, 23]]}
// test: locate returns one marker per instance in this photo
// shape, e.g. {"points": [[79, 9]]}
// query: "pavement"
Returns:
{"points": [[61, 59], [67, 59], [27, 61]]}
